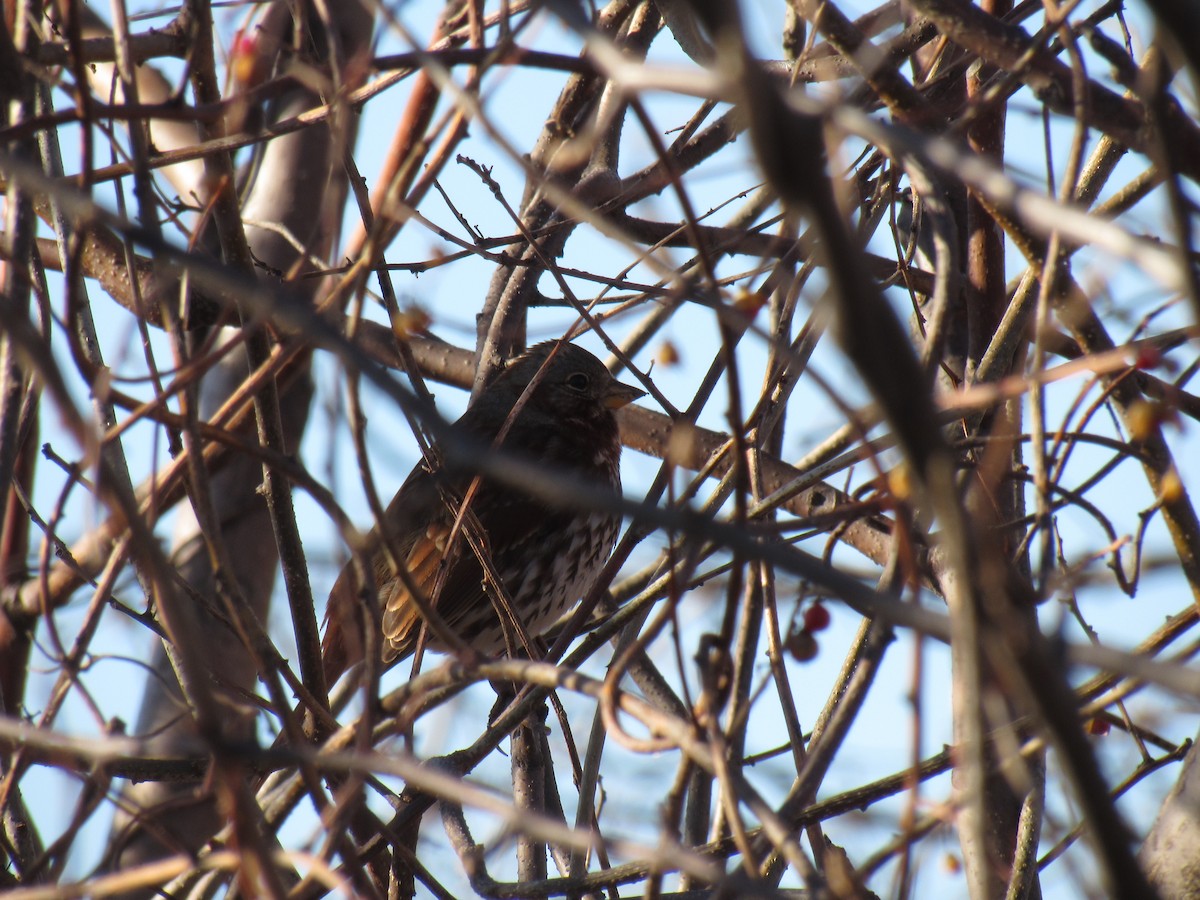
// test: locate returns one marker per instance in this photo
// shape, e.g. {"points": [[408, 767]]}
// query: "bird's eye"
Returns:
{"points": [[578, 381]]}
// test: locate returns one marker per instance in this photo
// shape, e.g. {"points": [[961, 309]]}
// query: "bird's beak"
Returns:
{"points": [[617, 395]]}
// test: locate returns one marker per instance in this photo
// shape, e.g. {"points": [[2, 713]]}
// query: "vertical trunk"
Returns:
{"points": [[299, 187]]}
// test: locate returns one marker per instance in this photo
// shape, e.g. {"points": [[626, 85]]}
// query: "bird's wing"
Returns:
{"points": [[401, 613], [342, 645]]}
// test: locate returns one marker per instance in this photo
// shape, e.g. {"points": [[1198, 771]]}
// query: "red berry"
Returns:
{"points": [[1148, 357], [244, 45], [1098, 727], [816, 617]]}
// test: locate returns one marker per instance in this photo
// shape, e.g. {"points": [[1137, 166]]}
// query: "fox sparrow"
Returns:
{"points": [[546, 557]]}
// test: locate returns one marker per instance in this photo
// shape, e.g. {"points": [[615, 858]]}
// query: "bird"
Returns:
{"points": [[545, 556]]}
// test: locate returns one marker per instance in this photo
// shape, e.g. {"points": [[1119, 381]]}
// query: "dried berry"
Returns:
{"points": [[802, 645], [668, 354]]}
